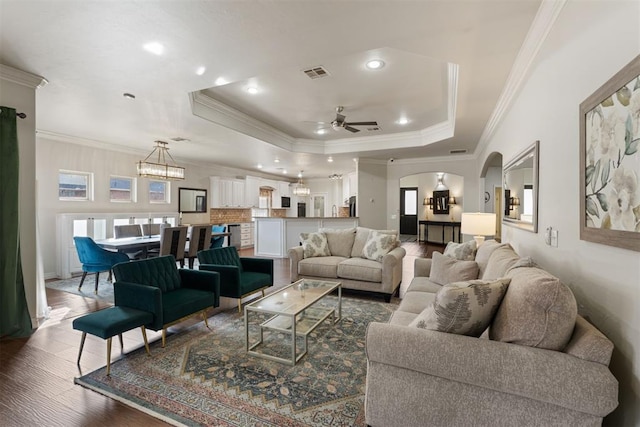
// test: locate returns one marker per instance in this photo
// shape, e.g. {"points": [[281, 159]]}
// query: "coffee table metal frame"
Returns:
{"points": [[289, 306]]}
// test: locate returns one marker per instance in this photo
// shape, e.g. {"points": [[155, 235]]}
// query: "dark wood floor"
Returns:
{"points": [[36, 373]]}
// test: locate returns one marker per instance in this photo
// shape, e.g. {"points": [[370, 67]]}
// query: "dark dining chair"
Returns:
{"points": [[173, 241], [199, 239], [129, 230], [217, 241], [94, 259]]}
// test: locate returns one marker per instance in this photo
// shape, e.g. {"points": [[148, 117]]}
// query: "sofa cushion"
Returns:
{"points": [[445, 270], [314, 244], [415, 302], [501, 259], [463, 308], [340, 240], [378, 245], [326, 266], [423, 284], [402, 318], [365, 270], [483, 253], [537, 311], [362, 235], [463, 251]]}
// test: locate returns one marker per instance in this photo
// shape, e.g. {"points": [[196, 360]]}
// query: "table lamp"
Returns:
{"points": [[478, 224]]}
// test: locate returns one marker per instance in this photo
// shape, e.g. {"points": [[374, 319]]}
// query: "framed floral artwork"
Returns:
{"points": [[610, 161]]}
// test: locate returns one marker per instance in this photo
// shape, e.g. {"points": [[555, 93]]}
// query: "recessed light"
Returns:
{"points": [[129, 95], [300, 174], [375, 64], [402, 121], [321, 131], [259, 165], [252, 90], [200, 71], [276, 160], [284, 171], [330, 159], [220, 81], [154, 47]]}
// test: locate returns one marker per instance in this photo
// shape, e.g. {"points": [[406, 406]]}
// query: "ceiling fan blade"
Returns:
{"points": [[350, 129], [362, 124]]}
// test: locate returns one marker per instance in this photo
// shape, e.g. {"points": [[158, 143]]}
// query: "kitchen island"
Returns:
{"points": [[274, 236]]}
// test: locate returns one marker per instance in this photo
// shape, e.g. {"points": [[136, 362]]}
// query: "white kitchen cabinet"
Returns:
{"points": [[246, 235], [252, 191], [283, 187], [227, 192], [353, 184], [237, 193]]}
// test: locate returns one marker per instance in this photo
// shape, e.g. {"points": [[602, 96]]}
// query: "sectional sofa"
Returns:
{"points": [[539, 362]]}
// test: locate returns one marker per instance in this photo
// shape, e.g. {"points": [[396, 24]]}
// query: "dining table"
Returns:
{"points": [[142, 243]]}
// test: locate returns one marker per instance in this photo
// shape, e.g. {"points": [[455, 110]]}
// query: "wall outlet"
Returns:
{"points": [[547, 236]]}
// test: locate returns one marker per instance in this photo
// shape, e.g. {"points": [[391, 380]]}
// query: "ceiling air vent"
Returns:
{"points": [[316, 72], [458, 151], [179, 139], [373, 129]]}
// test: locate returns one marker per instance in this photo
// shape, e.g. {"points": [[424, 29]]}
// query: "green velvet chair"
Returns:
{"points": [[157, 285], [239, 276]]}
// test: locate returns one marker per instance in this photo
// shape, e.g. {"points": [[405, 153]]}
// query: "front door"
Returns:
{"points": [[409, 211]]}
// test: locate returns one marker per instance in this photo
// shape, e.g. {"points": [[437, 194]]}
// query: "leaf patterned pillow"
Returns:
{"points": [[463, 308], [463, 251], [314, 244], [378, 245]]}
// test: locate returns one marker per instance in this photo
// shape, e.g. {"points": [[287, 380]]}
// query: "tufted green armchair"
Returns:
{"points": [[156, 285], [239, 276]]}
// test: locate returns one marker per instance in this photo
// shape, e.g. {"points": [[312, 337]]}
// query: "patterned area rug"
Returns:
{"points": [[204, 377]]}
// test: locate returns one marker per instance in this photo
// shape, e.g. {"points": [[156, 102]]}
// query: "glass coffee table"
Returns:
{"points": [[291, 310]]}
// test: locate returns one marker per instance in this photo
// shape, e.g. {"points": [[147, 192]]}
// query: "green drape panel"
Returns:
{"points": [[14, 313]]}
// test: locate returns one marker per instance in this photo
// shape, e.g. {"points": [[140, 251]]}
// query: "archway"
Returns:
{"points": [[492, 175]]}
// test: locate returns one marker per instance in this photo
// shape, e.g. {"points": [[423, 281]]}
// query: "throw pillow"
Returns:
{"points": [[463, 251], [314, 244], [340, 241], [499, 262], [463, 308], [378, 245], [484, 252], [537, 311], [526, 261], [445, 270], [362, 236]]}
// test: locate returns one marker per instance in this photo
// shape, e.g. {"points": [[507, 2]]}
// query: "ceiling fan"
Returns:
{"points": [[341, 123]]}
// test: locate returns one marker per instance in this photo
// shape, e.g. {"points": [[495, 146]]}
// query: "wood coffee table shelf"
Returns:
{"points": [[293, 313]]}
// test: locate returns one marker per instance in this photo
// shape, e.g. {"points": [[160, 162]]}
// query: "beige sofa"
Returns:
{"points": [[509, 376], [347, 264]]}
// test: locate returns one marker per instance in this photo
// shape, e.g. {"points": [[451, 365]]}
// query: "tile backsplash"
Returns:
{"points": [[227, 215]]}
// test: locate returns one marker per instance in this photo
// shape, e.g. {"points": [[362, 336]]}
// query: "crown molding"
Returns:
{"points": [[22, 77], [439, 159], [215, 111], [542, 23]]}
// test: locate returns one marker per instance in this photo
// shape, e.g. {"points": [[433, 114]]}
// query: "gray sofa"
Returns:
{"points": [[347, 264], [509, 375]]}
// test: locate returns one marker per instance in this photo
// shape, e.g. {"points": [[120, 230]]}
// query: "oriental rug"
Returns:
{"points": [[205, 377]]}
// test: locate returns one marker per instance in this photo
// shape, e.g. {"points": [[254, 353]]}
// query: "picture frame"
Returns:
{"points": [[610, 161]]}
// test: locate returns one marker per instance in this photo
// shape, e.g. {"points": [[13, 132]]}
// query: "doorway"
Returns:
{"points": [[409, 211]]}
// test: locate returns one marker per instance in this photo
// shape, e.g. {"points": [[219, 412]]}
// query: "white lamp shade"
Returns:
{"points": [[478, 224]]}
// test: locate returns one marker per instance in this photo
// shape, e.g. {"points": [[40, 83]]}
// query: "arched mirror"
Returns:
{"points": [[520, 188]]}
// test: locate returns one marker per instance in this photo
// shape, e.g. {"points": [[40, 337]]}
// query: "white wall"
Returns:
{"points": [[589, 43], [372, 201], [22, 97]]}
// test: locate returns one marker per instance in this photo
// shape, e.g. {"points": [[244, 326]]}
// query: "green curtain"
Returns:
{"points": [[14, 313]]}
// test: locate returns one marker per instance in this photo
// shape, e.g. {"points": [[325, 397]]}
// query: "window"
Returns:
{"points": [[159, 192], [122, 189], [75, 186]]}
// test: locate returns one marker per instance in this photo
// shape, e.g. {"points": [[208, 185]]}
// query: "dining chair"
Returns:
{"points": [[150, 229], [173, 241], [94, 259], [217, 241], [129, 230], [199, 239]]}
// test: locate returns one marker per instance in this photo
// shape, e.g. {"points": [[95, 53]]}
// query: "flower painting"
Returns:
{"points": [[610, 161]]}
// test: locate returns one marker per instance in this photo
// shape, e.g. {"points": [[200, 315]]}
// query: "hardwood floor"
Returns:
{"points": [[36, 373]]}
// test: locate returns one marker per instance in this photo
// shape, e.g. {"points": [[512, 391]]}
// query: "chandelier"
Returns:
{"points": [[300, 189], [160, 169]]}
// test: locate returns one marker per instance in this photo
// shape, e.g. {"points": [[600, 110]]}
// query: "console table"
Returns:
{"points": [[443, 224]]}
